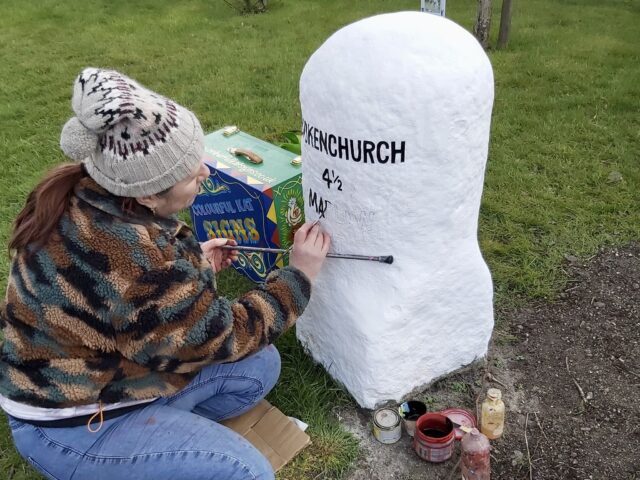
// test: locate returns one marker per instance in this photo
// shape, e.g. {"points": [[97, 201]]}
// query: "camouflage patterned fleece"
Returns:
{"points": [[117, 307]]}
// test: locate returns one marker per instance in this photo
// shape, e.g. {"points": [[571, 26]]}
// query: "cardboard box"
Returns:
{"points": [[271, 432], [258, 205]]}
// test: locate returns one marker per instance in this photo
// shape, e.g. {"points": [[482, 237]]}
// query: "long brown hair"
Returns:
{"points": [[45, 205], [50, 199]]}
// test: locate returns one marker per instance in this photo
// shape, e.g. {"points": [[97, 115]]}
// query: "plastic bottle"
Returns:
{"points": [[492, 417], [475, 456]]}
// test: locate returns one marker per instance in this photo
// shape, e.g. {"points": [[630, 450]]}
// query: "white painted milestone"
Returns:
{"points": [[396, 115]]}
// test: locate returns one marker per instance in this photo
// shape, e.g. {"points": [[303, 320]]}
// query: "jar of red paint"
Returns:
{"points": [[434, 437]]}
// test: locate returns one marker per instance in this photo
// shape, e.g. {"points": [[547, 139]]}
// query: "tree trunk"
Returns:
{"points": [[483, 23], [505, 24]]}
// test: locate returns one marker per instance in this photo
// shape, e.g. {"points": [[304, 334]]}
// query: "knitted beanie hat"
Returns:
{"points": [[132, 141]]}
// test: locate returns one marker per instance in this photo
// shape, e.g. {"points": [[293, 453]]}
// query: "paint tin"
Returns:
{"points": [[410, 412], [434, 438], [386, 425], [460, 418]]}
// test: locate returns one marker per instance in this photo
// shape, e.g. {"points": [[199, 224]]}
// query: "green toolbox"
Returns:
{"points": [[253, 195]]}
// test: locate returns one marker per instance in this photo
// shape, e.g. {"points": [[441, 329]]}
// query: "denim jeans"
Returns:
{"points": [[176, 437]]}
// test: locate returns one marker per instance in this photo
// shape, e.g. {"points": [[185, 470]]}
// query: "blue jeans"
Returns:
{"points": [[176, 437]]}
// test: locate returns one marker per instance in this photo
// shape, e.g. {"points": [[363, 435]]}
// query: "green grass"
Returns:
{"points": [[565, 120], [459, 387]]}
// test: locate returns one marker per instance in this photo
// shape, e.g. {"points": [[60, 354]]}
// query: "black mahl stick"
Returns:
{"points": [[383, 259]]}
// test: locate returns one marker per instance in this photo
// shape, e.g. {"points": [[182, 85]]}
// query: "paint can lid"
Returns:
{"points": [[386, 418], [460, 418]]}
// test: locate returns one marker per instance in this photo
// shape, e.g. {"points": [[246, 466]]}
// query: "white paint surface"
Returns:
{"points": [[384, 330]]}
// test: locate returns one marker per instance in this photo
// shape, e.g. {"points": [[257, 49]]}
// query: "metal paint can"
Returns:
{"points": [[386, 425], [410, 412]]}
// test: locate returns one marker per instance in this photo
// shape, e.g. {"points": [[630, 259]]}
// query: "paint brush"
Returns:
{"points": [[314, 224], [382, 259]]}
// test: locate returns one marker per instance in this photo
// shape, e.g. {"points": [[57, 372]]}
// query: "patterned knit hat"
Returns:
{"points": [[132, 141]]}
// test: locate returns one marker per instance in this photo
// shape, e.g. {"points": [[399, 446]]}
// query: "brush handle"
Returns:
{"points": [[347, 256], [253, 249]]}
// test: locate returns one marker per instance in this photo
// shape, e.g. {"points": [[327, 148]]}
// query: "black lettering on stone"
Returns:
{"points": [[353, 154], [343, 148], [332, 149], [318, 203], [323, 141], [309, 135], [397, 151], [365, 151], [379, 157], [368, 147]]}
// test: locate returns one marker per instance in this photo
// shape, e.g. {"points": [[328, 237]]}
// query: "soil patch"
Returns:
{"points": [[577, 363], [570, 375]]}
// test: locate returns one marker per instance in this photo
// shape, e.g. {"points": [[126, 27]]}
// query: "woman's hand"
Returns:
{"points": [[219, 258], [310, 247]]}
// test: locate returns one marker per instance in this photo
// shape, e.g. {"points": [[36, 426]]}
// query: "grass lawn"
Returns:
{"points": [[562, 178]]}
